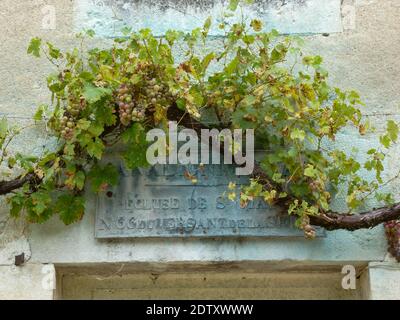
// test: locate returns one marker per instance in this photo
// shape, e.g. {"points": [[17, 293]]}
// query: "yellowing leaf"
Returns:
{"points": [[256, 25], [310, 171], [298, 134]]}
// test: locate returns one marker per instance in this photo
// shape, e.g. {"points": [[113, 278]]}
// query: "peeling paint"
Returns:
{"points": [[108, 17], [188, 5]]}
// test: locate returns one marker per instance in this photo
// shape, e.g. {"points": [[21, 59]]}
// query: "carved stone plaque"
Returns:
{"points": [[162, 202], [108, 17]]}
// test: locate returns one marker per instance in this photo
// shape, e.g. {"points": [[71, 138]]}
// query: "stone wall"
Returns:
{"points": [[29, 282], [360, 53]]}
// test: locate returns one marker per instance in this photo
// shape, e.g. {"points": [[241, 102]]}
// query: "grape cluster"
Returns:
{"points": [[309, 232], [126, 106], [75, 107], [134, 100], [67, 127], [156, 92], [392, 229], [67, 123]]}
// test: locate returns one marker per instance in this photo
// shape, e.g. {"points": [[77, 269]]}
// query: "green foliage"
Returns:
{"points": [[136, 145], [93, 94], [70, 208], [103, 176], [3, 128], [34, 47], [115, 95]]}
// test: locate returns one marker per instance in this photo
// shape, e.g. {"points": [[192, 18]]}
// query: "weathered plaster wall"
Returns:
{"points": [[381, 281], [364, 58], [30, 282], [205, 285], [294, 16]]}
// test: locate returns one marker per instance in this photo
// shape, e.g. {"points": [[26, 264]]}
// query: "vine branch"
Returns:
{"points": [[329, 220]]}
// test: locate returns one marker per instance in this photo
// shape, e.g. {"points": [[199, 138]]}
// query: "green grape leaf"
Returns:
{"points": [[53, 51], [17, 203], [70, 208], [96, 148], [135, 141], [34, 47], [103, 176], [310, 171], [3, 127], [298, 134], [233, 4], [80, 180], [392, 130], [93, 94]]}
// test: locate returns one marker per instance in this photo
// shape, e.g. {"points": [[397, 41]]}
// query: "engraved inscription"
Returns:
{"points": [[161, 202]]}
